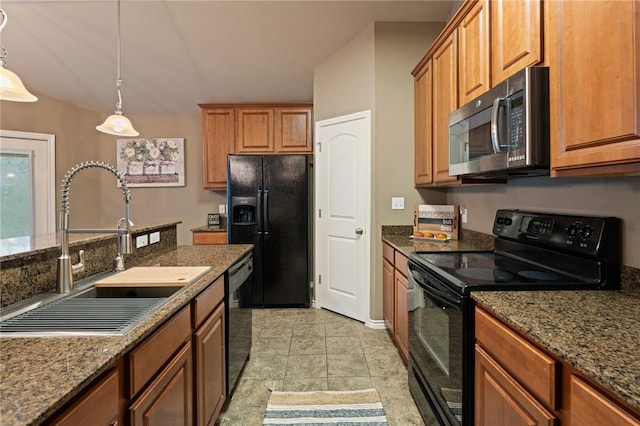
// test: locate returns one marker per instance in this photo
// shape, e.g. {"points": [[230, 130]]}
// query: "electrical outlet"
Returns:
{"points": [[463, 215], [142, 240], [154, 237], [222, 208], [397, 203]]}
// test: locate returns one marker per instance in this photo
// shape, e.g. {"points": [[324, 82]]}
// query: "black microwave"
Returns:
{"points": [[505, 131]]}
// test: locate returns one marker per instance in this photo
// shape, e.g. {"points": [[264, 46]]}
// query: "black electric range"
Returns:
{"points": [[533, 251]]}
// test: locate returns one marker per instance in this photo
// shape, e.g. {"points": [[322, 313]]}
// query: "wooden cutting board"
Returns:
{"points": [[155, 276]]}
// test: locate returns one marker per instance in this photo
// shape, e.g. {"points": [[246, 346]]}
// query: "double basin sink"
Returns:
{"points": [[106, 305]]}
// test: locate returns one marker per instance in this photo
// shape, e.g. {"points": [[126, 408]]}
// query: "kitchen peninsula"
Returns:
{"points": [[40, 376]]}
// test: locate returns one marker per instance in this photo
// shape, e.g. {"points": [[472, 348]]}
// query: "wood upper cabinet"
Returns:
{"points": [[251, 129], [473, 52], [254, 130], [292, 132], [445, 100], [423, 124], [516, 37], [218, 139], [595, 89]]}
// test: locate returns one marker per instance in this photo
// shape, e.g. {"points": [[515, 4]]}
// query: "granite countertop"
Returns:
{"points": [[594, 331], [470, 241], [39, 375]]}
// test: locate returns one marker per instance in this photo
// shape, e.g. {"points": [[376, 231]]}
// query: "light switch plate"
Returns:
{"points": [[397, 203], [142, 240], [222, 208], [154, 237]]}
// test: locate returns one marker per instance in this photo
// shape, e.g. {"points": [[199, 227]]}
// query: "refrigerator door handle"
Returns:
{"points": [[265, 212], [259, 211]]}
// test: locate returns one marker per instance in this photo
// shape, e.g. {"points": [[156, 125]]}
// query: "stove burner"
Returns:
{"points": [[539, 276], [485, 274]]}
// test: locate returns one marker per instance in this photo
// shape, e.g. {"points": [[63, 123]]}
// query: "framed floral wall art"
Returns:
{"points": [[151, 162]]}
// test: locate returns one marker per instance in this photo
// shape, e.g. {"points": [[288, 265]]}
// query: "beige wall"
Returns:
{"points": [[373, 72], [94, 198], [618, 197]]}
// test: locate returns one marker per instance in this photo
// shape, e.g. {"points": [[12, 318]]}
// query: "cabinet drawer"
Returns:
{"points": [[387, 252], [401, 263], [97, 406], [148, 357], [537, 371], [207, 301], [591, 407], [209, 238]]}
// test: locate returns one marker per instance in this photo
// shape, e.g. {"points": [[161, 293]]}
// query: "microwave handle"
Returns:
{"points": [[494, 124]]}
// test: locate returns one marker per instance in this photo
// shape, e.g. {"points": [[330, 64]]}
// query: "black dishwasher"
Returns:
{"points": [[238, 323]]}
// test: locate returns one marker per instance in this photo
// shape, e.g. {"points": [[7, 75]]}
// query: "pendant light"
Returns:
{"points": [[11, 87], [117, 124]]}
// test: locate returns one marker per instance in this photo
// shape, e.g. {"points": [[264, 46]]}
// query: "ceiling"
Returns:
{"points": [[178, 53]]}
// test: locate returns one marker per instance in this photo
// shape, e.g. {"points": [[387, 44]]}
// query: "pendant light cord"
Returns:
{"points": [[119, 79]]}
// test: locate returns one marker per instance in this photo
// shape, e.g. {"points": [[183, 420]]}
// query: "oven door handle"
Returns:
{"points": [[438, 293]]}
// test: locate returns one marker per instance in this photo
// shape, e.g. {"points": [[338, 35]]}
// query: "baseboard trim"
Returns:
{"points": [[376, 324]]}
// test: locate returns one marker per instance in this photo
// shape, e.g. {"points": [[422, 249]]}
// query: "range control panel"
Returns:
{"points": [[580, 234]]}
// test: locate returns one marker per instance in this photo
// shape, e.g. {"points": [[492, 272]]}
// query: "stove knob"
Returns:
{"points": [[508, 221], [572, 230], [500, 220], [586, 232]]}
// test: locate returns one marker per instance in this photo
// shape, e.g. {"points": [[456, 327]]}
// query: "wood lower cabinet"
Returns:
{"points": [[209, 347], [595, 89], [590, 407], [395, 297], [518, 383], [205, 237], [501, 400], [168, 400], [99, 405]]}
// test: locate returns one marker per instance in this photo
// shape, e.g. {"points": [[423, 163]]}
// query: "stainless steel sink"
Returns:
{"points": [[81, 316]]}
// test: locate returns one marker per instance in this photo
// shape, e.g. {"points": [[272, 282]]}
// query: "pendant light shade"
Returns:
{"points": [[11, 87], [117, 124]]}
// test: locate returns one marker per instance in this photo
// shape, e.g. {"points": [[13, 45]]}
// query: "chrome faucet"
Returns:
{"points": [[65, 268]]}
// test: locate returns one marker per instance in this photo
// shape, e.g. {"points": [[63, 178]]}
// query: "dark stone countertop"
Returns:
{"points": [[597, 332], [39, 375], [207, 228], [469, 241]]}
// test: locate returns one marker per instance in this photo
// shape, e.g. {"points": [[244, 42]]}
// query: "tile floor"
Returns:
{"points": [[314, 349]]}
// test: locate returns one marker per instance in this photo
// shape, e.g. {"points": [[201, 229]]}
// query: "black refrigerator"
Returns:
{"points": [[268, 206]]}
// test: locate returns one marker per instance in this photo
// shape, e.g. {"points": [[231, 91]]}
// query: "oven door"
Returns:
{"points": [[438, 327]]}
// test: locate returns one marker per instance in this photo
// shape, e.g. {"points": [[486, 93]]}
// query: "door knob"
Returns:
{"points": [[359, 231]]}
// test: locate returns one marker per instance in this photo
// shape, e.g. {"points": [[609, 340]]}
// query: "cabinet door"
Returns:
{"points": [[473, 52], [97, 406], [254, 131], [500, 400], [402, 314], [423, 128], [595, 90], [516, 37], [217, 141], [590, 407], [293, 130], [169, 398], [210, 368], [445, 100], [388, 294]]}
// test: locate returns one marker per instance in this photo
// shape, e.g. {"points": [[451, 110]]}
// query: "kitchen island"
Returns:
{"points": [[40, 375]]}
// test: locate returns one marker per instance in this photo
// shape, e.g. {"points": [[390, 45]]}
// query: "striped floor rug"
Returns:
{"points": [[348, 408]]}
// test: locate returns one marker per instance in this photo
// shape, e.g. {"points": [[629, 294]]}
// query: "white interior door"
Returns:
{"points": [[343, 188]]}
